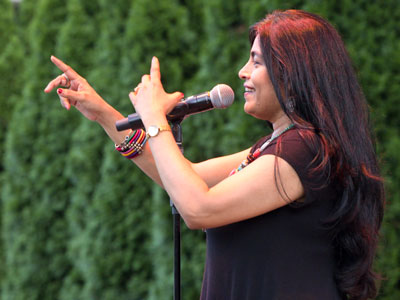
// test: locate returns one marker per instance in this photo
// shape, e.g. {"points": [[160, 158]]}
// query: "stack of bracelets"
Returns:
{"points": [[133, 144]]}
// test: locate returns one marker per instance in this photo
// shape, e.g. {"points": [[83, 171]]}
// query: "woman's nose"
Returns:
{"points": [[243, 72]]}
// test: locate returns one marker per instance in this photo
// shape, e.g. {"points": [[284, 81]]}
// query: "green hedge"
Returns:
{"points": [[80, 222]]}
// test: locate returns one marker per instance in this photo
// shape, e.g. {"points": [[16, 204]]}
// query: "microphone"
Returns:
{"points": [[221, 96]]}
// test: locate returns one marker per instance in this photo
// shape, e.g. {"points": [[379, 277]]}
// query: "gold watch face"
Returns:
{"points": [[153, 130]]}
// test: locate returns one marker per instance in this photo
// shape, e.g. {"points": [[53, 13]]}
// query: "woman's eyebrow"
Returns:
{"points": [[254, 54]]}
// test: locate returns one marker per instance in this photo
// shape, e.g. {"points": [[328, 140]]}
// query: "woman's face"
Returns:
{"points": [[261, 100]]}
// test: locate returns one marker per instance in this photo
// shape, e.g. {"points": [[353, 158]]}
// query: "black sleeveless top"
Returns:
{"points": [[285, 254]]}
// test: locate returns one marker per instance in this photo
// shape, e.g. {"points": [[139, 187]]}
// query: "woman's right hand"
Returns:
{"points": [[77, 92]]}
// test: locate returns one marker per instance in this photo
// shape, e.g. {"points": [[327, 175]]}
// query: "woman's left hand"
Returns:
{"points": [[150, 100]]}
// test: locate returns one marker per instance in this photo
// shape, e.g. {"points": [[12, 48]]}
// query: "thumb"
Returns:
{"points": [[177, 96], [132, 97], [174, 98]]}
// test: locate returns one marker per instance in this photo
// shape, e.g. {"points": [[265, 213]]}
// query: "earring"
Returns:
{"points": [[290, 105]]}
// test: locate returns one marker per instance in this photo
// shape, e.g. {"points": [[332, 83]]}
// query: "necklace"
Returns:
{"points": [[253, 156]]}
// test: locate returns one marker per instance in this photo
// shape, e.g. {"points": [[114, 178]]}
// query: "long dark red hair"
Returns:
{"points": [[317, 87]]}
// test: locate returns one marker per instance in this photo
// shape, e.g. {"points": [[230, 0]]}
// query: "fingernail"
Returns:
{"points": [[59, 91]]}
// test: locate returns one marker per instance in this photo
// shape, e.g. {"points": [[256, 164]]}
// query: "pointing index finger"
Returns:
{"points": [[155, 70], [65, 68]]}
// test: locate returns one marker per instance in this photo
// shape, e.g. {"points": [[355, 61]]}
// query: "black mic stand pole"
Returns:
{"points": [[177, 133]]}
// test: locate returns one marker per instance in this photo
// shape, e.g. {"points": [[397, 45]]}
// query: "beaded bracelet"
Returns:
{"points": [[133, 144]]}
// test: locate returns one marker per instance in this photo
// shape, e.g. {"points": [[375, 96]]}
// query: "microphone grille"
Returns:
{"points": [[222, 96]]}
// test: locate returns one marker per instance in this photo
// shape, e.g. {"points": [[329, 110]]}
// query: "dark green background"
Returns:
{"points": [[80, 222]]}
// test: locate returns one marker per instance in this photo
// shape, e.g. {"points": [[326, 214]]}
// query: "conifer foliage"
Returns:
{"points": [[78, 221], [33, 201]]}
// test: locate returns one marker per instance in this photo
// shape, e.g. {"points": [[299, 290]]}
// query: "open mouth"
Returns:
{"points": [[248, 90]]}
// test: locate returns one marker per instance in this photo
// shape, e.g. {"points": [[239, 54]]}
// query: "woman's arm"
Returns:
{"points": [[215, 170], [249, 193], [84, 98]]}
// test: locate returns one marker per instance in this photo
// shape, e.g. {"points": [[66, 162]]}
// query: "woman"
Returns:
{"points": [[296, 216]]}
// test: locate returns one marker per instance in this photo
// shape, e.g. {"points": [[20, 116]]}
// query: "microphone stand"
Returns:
{"points": [[177, 133]]}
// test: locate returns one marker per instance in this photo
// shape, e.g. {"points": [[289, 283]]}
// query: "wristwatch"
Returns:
{"points": [[154, 130]]}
